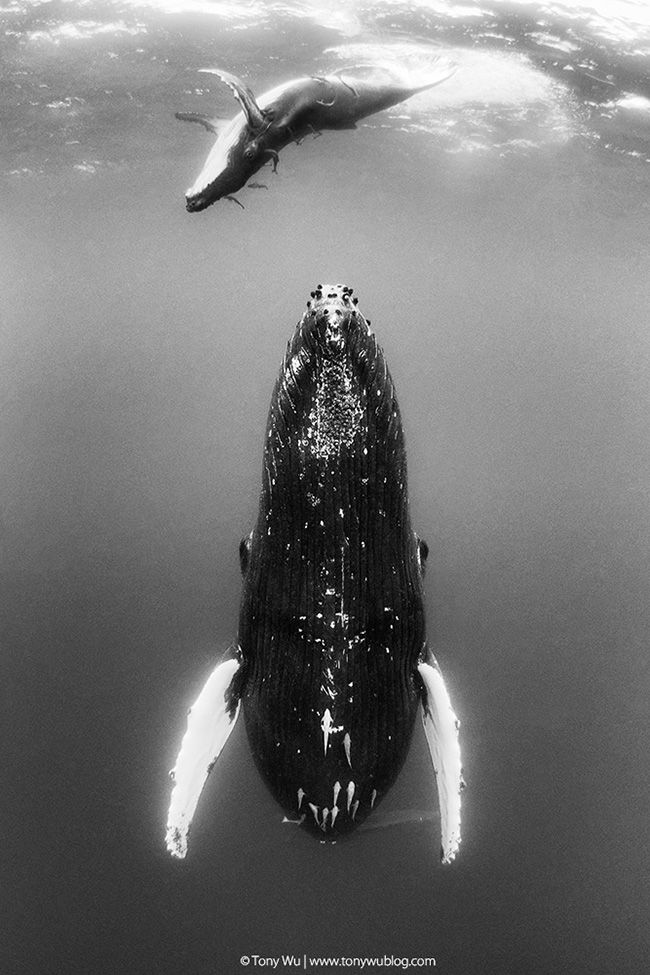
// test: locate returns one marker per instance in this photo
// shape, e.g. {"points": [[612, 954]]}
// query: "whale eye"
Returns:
{"points": [[423, 554]]}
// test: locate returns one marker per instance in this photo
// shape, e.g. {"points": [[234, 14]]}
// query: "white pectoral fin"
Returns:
{"points": [[243, 94], [441, 730], [209, 724]]}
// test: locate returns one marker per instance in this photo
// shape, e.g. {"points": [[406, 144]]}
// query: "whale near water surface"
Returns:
{"points": [[331, 664], [293, 110]]}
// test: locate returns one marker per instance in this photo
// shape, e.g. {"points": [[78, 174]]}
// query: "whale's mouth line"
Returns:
{"points": [[197, 202]]}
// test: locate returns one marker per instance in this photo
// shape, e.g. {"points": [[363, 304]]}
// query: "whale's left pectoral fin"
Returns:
{"points": [[441, 729], [257, 119], [209, 724]]}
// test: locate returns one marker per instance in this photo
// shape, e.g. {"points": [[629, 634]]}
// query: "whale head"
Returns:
{"points": [[334, 392], [237, 155]]}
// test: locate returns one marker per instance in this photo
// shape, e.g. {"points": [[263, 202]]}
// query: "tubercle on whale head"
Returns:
{"points": [[332, 310], [333, 378]]}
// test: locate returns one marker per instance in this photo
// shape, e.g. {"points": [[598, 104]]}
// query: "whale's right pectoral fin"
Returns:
{"points": [[441, 729], [209, 724], [213, 125]]}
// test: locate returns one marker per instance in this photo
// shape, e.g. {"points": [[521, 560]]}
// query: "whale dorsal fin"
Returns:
{"points": [[243, 94]]}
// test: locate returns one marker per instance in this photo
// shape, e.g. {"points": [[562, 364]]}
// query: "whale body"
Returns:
{"points": [[288, 113], [331, 664]]}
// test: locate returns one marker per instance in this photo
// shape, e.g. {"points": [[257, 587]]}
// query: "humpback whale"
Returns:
{"points": [[290, 112], [331, 664]]}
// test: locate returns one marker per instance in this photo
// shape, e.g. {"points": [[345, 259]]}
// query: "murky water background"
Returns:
{"points": [[497, 233]]}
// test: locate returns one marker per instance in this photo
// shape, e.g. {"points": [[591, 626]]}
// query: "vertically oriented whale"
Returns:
{"points": [[332, 663], [291, 111]]}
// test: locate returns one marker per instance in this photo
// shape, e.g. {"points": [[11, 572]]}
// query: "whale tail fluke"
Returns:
{"points": [[431, 71], [410, 76]]}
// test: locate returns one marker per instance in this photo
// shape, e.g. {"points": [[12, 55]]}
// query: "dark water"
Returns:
{"points": [[497, 233]]}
